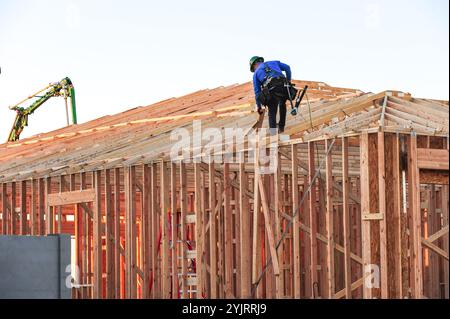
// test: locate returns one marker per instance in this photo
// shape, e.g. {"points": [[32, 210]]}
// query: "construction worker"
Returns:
{"points": [[271, 88]]}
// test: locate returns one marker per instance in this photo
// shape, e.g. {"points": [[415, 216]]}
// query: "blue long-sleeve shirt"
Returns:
{"points": [[259, 76]]}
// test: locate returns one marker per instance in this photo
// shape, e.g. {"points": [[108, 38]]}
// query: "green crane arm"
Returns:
{"points": [[63, 88]]}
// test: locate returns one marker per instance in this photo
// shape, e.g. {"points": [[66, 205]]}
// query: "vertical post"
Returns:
{"points": [[98, 255], [212, 229], [382, 212], [245, 232], [312, 218], [41, 205], [23, 208], [415, 219], [85, 221], [288, 247], [397, 197], [4, 209], [237, 238], [279, 280], [256, 215], [393, 215], [165, 209], [156, 231], [365, 208], [109, 235], [329, 220], [435, 223], [59, 209], [130, 237], [184, 211], [117, 249], [127, 232], [296, 222], [322, 247], [49, 210], [174, 226], [199, 239], [346, 221], [34, 203], [267, 187], [78, 224], [220, 241], [145, 229], [445, 238], [12, 210], [228, 222]]}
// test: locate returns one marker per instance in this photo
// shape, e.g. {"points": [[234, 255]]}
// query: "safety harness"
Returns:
{"points": [[276, 85]]}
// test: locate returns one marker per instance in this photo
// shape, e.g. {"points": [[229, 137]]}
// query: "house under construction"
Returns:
{"points": [[355, 207]]}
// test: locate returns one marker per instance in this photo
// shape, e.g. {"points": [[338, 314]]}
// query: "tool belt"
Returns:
{"points": [[276, 88]]}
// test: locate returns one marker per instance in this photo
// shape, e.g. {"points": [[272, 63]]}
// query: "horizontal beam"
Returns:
{"points": [[428, 158], [436, 177], [68, 198]]}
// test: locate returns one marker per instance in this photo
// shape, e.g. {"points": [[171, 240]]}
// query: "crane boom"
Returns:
{"points": [[63, 88]]}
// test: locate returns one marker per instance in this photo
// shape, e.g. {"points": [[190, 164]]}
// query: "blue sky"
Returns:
{"points": [[123, 54]]}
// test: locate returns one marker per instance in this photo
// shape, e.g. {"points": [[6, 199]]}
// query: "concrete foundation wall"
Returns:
{"points": [[34, 267]]}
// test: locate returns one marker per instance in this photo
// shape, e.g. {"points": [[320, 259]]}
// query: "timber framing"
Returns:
{"points": [[356, 205]]}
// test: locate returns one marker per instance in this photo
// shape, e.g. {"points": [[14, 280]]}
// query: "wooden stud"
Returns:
{"points": [[228, 223], [86, 244], [415, 219], [296, 222], [237, 238], [393, 215], [34, 209], [346, 219], [78, 230], [174, 227], [49, 209], [117, 222], [245, 234], [256, 216], [212, 229], [445, 238], [382, 211], [183, 228], [23, 208], [279, 280], [365, 207], [312, 218], [329, 221], [58, 225], [98, 250], [130, 236], [5, 219], [13, 213], [41, 206], [220, 240], [165, 210], [109, 237], [145, 230], [156, 232]]}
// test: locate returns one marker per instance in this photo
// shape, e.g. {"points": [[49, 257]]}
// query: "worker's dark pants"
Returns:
{"points": [[273, 105]]}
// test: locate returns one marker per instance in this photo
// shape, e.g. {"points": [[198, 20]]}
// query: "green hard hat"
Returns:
{"points": [[255, 59]]}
